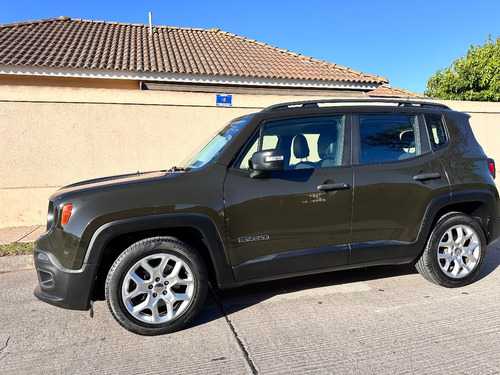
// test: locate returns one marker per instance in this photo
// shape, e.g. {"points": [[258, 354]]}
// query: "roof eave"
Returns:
{"points": [[184, 78]]}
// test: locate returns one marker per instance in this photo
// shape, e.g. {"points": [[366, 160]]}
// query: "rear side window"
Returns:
{"points": [[386, 138], [437, 133]]}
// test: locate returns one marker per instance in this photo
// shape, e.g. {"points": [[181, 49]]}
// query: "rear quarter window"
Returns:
{"points": [[436, 130]]}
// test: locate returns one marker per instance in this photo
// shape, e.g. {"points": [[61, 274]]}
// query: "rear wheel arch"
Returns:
{"points": [[477, 210], [478, 204]]}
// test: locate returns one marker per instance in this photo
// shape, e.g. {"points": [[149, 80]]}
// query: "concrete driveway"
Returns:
{"points": [[384, 320]]}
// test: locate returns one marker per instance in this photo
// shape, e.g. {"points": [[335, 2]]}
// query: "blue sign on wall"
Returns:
{"points": [[224, 100]]}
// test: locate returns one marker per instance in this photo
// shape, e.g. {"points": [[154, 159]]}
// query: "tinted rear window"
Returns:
{"points": [[385, 138]]}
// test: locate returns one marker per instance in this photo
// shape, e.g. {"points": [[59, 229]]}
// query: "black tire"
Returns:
{"points": [[156, 286], [455, 251]]}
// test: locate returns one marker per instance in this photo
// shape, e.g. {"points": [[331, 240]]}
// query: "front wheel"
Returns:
{"points": [[455, 251], [156, 286]]}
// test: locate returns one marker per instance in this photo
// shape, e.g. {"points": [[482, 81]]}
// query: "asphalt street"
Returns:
{"points": [[383, 320]]}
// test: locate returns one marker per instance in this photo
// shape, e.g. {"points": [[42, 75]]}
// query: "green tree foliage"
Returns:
{"points": [[472, 77]]}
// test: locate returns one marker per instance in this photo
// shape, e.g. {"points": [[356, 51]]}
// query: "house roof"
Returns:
{"points": [[388, 91], [64, 43]]}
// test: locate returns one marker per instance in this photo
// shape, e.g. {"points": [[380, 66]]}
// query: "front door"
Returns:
{"points": [[294, 220]]}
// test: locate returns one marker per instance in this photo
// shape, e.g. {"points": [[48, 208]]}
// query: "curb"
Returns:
{"points": [[21, 234], [16, 263]]}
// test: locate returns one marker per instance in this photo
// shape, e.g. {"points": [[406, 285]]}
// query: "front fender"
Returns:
{"points": [[210, 237]]}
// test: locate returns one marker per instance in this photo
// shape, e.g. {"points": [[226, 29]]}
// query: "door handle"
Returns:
{"points": [[333, 187], [427, 176]]}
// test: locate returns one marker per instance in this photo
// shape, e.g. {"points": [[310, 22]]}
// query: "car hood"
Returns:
{"points": [[106, 182]]}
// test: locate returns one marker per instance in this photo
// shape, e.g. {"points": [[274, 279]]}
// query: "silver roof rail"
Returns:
{"points": [[314, 103]]}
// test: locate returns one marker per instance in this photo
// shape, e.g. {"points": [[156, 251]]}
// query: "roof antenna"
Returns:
{"points": [[150, 23]]}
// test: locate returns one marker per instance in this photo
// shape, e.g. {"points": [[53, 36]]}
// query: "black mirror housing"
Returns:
{"points": [[264, 162]]}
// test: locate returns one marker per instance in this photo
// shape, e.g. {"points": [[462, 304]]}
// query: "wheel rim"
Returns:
{"points": [[158, 288], [459, 251]]}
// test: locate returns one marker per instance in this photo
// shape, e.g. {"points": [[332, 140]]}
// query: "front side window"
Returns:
{"points": [[386, 138], [313, 142]]}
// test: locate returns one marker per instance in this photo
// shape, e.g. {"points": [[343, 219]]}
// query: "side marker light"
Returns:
{"points": [[66, 213]]}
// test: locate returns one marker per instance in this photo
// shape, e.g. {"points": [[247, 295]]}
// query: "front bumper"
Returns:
{"points": [[60, 286]]}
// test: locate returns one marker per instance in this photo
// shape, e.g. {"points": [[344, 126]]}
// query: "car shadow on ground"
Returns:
{"points": [[491, 262], [221, 303]]}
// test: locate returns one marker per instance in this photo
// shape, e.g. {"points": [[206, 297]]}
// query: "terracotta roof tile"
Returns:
{"points": [[393, 92], [86, 44]]}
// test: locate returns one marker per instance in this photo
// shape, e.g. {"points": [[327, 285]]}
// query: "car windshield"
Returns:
{"points": [[213, 148]]}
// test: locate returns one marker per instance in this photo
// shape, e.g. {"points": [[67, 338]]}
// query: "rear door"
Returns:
{"points": [[396, 175]]}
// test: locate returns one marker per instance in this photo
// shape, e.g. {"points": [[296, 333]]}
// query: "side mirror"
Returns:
{"points": [[267, 161]]}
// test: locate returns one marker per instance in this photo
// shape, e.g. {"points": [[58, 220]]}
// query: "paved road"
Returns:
{"points": [[385, 320]]}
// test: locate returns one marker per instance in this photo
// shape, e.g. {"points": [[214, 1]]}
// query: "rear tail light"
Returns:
{"points": [[491, 166]]}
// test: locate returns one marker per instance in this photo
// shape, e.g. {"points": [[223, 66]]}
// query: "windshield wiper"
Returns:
{"points": [[177, 169]]}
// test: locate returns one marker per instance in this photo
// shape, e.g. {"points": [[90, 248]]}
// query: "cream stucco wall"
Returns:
{"points": [[53, 136]]}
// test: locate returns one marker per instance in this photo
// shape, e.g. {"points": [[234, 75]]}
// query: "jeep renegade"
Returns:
{"points": [[295, 189]]}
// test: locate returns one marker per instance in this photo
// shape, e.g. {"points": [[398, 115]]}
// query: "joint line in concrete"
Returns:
{"points": [[246, 354]]}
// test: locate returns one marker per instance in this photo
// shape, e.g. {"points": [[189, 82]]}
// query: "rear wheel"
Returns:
{"points": [[455, 251], [156, 286]]}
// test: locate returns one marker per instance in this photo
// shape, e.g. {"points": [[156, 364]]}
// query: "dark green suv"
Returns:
{"points": [[297, 188]]}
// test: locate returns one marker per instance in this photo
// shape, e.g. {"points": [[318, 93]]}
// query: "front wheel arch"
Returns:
{"points": [[198, 230]]}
